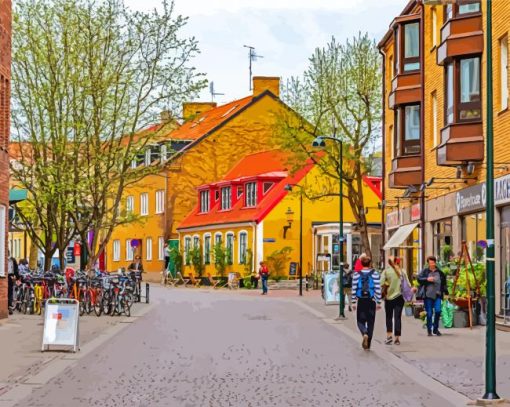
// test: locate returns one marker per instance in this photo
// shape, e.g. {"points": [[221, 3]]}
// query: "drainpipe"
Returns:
{"points": [[383, 220], [253, 248], [422, 118]]}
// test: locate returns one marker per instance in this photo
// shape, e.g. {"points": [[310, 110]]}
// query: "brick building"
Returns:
{"points": [[434, 134], [5, 75]]}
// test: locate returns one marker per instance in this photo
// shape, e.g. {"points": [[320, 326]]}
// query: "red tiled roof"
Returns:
{"points": [[207, 121], [269, 163]]}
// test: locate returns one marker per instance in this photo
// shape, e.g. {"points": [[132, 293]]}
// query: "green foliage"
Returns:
{"points": [[248, 263], [197, 260], [277, 261], [461, 288], [176, 258], [220, 259], [446, 253], [247, 283]]}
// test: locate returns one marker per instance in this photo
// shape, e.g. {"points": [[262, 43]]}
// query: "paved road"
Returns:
{"points": [[199, 348]]}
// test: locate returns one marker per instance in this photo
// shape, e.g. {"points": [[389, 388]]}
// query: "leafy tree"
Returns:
{"points": [[176, 259], [277, 261], [221, 256], [88, 76], [339, 95], [197, 260]]}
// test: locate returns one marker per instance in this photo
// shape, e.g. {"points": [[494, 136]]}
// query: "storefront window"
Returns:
{"points": [[505, 261], [473, 232], [443, 240]]}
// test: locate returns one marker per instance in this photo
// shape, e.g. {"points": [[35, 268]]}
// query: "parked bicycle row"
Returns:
{"points": [[99, 293]]}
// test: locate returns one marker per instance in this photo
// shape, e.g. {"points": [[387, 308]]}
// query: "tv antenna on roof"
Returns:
{"points": [[213, 92], [252, 55]]}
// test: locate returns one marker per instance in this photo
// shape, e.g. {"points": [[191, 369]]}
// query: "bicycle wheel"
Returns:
{"points": [[98, 303], [25, 301], [127, 308], [88, 302], [114, 305], [82, 303]]}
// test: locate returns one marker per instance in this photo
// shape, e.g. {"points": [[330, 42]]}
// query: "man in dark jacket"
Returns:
{"points": [[434, 282], [12, 276]]}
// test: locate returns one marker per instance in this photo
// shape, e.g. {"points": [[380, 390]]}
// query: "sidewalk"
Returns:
{"points": [[21, 336], [454, 359]]}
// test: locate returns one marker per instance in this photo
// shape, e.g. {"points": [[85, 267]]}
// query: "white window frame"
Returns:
{"points": [[232, 250], [160, 201], [148, 154], [503, 51], [226, 198], [148, 248], [205, 197], [187, 248], [163, 151], [161, 248], [249, 202], [196, 241], [207, 235], [216, 236], [144, 204], [129, 250], [133, 163], [239, 247], [130, 204], [116, 250]]}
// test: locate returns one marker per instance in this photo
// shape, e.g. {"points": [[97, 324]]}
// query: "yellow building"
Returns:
{"points": [[211, 139], [434, 134], [252, 215]]}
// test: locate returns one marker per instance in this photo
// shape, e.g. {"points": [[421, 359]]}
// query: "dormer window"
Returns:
{"points": [[251, 194], [216, 196], [267, 186], [204, 201], [163, 152], [148, 157], [239, 192], [226, 198]]}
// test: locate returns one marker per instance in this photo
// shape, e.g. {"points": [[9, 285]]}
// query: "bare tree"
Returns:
{"points": [[339, 95], [88, 78]]}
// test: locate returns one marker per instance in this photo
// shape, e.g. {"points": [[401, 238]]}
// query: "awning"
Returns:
{"points": [[399, 236], [17, 195]]}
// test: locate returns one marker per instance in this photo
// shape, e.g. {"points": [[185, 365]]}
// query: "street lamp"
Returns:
{"points": [[320, 142], [289, 187]]}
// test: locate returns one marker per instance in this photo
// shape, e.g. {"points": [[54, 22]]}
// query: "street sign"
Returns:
{"points": [[70, 257], [293, 268], [61, 323]]}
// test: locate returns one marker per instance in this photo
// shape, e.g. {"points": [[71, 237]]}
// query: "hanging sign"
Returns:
{"points": [[416, 212], [471, 199]]}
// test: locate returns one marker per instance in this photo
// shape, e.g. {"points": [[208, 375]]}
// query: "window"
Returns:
{"points": [[473, 232], [116, 250], [164, 152], [147, 159], [443, 240], [196, 242], [217, 239], [243, 240], [251, 194], [470, 7], [433, 17], [230, 248], [160, 201], [15, 248], [226, 198], [129, 250], [207, 249], [239, 192], [503, 55], [130, 203], [391, 66], [204, 201], [435, 131], [148, 248], [144, 204], [390, 132], [408, 131], [187, 248], [161, 248], [216, 195], [267, 186], [449, 93], [470, 102], [461, 8], [411, 47]]}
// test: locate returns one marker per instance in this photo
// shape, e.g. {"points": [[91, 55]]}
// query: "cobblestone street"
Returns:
{"points": [[200, 348]]}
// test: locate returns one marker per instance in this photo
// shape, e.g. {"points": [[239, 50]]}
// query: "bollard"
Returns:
{"points": [[146, 293]]}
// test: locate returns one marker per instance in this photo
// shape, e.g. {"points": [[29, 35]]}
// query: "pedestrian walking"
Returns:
{"points": [[264, 276], [136, 266], [432, 288], [12, 276], [347, 284], [393, 286], [366, 299], [167, 251]]}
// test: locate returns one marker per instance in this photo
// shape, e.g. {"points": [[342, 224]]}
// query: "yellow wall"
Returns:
{"points": [[17, 245]]}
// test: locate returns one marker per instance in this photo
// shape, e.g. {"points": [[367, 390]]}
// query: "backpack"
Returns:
{"points": [[366, 286]]}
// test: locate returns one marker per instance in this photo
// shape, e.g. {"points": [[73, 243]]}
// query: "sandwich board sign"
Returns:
{"points": [[61, 324]]}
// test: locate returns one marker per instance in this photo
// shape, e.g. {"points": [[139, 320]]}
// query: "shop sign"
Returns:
{"points": [[502, 190], [471, 199], [393, 220], [416, 212]]}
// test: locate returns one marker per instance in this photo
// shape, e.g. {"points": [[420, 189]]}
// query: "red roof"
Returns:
{"points": [[207, 121], [269, 165]]}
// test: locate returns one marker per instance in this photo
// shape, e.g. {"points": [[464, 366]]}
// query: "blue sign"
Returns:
{"points": [[269, 240], [70, 257]]}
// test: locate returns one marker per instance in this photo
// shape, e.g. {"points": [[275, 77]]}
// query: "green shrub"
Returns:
{"points": [[197, 260], [277, 261]]}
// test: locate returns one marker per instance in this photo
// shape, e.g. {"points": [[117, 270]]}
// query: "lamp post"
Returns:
{"points": [[289, 187], [321, 143], [490, 341]]}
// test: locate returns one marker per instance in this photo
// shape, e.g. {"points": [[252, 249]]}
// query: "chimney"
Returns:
{"points": [[193, 109], [263, 83]]}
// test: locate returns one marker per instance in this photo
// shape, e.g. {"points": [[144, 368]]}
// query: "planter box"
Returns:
{"points": [[460, 319]]}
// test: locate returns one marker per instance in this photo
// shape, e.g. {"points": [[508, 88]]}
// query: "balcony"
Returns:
{"points": [[460, 36], [405, 89], [460, 143], [406, 171]]}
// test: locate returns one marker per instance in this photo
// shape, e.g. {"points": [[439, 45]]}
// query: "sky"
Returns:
{"points": [[284, 32]]}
